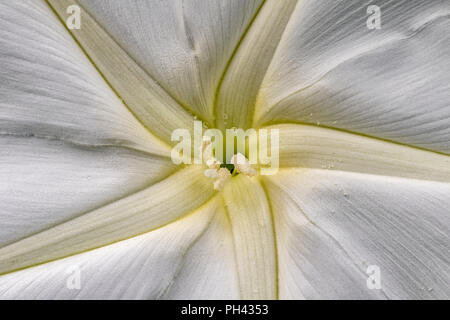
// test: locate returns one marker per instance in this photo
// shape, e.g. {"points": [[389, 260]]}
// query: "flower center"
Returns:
{"points": [[222, 172]]}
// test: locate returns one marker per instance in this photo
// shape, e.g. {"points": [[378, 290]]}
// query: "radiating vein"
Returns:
{"points": [[218, 113], [145, 98], [328, 149], [244, 75], [253, 235], [141, 212]]}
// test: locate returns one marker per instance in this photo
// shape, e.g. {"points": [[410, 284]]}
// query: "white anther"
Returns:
{"points": [[242, 165]]}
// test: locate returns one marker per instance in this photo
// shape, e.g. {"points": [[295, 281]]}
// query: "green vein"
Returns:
{"points": [[309, 124], [272, 217], [230, 60]]}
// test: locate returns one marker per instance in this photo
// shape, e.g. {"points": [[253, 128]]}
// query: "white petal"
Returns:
{"points": [[184, 45], [46, 182], [48, 87], [209, 271], [314, 147], [331, 226], [254, 246], [392, 83], [236, 96], [192, 257], [140, 212], [67, 143], [142, 94]]}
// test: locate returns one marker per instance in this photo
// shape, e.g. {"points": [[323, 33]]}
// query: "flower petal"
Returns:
{"points": [[194, 255], [244, 74], [329, 149], [331, 226], [67, 143], [254, 246], [392, 83], [209, 270], [144, 97], [141, 212], [183, 45], [48, 88], [46, 182]]}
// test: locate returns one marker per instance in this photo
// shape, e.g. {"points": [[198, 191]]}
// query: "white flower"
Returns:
{"points": [[87, 184]]}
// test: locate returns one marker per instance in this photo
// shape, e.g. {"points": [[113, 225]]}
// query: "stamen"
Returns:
{"points": [[242, 165], [223, 172]]}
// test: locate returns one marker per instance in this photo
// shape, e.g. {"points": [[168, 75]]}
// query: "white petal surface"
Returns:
{"points": [[140, 93], [140, 212], [331, 226], [151, 266], [67, 143], [48, 87], [45, 182], [393, 83], [209, 270], [184, 45]]}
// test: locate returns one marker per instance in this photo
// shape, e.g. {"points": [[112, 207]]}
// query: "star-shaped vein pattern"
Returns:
{"points": [[310, 230]]}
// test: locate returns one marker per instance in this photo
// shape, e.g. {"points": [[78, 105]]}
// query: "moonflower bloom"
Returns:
{"points": [[92, 207]]}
